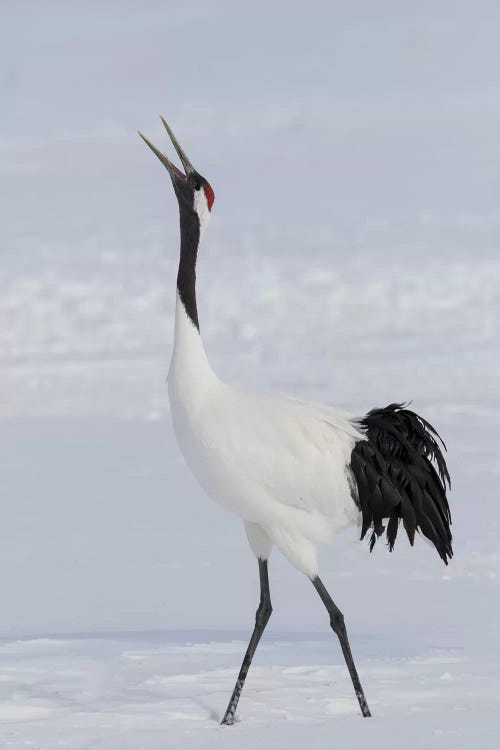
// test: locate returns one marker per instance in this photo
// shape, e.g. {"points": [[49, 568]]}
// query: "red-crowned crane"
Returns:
{"points": [[297, 472]]}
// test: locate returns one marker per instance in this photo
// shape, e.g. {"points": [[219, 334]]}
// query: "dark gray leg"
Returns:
{"points": [[261, 619], [338, 627]]}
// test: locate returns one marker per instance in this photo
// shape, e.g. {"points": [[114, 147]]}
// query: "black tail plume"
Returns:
{"points": [[401, 474]]}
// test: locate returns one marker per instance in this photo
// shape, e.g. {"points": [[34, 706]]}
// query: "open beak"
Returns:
{"points": [[172, 169]]}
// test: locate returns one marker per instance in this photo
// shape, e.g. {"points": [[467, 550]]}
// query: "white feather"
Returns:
{"points": [[201, 207], [277, 462]]}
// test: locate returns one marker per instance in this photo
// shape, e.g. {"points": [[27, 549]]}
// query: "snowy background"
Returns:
{"points": [[353, 257]]}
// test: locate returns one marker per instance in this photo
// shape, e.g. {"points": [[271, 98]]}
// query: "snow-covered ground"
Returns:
{"points": [[150, 691], [353, 257]]}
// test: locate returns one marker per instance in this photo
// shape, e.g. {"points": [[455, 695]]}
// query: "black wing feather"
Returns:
{"points": [[401, 473]]}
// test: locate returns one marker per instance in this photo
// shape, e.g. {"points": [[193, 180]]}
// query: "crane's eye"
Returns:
{"points": [[197, 186]]}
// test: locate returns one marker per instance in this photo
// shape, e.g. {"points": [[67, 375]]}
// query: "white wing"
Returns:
{"points": [[276, 460]]}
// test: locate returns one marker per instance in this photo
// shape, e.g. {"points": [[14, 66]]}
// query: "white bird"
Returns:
{"points": [[296, 472]]}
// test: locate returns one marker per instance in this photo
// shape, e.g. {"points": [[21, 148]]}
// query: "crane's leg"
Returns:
{"points": [[261, 619], [338, 627]]}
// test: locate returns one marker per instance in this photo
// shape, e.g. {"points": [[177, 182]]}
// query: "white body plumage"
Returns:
{"points": [[278, 462]]}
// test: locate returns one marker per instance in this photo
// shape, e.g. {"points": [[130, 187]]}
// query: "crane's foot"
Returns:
{"points": [[363, 704], [230, 715]]}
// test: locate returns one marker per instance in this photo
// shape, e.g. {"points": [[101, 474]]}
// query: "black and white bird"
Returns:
{"points": [[297, 472]]}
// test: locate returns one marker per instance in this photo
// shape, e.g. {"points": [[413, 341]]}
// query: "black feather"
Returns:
{"points": [[400, 473]]}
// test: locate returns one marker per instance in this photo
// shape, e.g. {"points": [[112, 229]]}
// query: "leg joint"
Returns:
{"points": [[337, 621], [263, 613]]}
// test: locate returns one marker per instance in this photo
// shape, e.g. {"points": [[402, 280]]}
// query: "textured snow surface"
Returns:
{"points": [[170, 691], [353, 257]]}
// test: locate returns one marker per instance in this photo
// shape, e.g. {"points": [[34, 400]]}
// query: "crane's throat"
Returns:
{"points": [[186, 275]]}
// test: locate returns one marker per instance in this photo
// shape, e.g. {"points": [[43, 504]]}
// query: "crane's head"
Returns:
{"points": [[193, 191]]}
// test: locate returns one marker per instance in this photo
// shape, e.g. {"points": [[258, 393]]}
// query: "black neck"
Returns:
{"points": [[186, 275]]}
